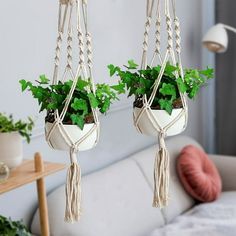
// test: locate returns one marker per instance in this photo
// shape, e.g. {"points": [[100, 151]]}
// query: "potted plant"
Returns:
{"points": [[11, 134], [79, 118], [167, 103], [12, 228]]}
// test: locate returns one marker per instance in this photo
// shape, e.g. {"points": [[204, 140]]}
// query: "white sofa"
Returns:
{"points": [[117, 200]]}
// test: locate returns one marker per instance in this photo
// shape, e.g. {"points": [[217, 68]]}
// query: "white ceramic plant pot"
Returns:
{"points": [[11, 149], [163, 119], [57, 141]]}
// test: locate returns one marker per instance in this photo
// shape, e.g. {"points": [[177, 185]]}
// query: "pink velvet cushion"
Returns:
{"points": [[198, 174]]}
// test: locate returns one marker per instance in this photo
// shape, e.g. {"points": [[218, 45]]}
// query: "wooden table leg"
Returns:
{"points": [[42, 198]]}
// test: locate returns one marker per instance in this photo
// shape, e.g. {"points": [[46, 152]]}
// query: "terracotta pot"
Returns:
{"points": [[57, 141], [163, 118], [11, 149]]}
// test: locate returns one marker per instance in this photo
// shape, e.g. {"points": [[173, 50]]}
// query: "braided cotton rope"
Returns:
{"points": [[161, 166], [66, 8]]}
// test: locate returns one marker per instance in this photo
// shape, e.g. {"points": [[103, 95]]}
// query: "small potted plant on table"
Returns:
{"points": [[12, 228], [11, 134]]}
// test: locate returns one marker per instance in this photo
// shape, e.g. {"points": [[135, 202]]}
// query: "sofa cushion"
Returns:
{"points": [[198, 174], [179, 201], [115, 201]]}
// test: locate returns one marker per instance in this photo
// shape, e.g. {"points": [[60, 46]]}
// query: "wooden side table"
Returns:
{"points": [[30, 171]]}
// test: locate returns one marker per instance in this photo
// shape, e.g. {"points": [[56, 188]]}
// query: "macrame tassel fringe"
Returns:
{"points": [[161, 176], [73, 193]]}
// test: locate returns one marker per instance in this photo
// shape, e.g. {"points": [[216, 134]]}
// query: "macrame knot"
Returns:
{"points": [[177, 35], [161, 174], [81, 47], [73, 189], [69, 50], [73, 154], [162, 135], [169, 32], [65, 2], [58, 48], [146, 33], [89, 49], [158, 35]]}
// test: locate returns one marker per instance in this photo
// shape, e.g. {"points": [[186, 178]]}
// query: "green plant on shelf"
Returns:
{"points": [[7, 125], [9, 227]]}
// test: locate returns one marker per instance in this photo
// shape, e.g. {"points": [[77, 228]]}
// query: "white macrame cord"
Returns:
{"points": [[161, 165], [83, 70]]}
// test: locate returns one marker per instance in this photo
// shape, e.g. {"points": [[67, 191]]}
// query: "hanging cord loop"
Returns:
{"points": [[149, 10], [146, 113], [161, 174], [73, 189], [67, 10], [157, 52]]}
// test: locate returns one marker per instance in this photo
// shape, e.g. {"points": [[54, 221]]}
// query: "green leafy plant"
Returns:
{"points": [[7, 124], [12, 228], [53, 97], [140, 82]]}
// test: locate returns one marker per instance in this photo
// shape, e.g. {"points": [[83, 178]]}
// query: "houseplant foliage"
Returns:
{"points": [[53, 97], [12, 228], [8, 125], [140, 82]]}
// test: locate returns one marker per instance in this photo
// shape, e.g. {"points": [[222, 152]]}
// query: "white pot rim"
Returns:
{"points": [[11, 132], [162, 110], [86, 124]]}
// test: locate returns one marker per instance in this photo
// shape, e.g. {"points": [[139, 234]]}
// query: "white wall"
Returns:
{"points": [[27, 42]]}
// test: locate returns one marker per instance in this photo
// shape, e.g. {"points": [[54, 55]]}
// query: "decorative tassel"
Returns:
{"points": [[73, 191], [161, 175]]}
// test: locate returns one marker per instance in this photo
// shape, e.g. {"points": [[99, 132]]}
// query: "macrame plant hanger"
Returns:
{"points": [[83, 70], [161, 165]]}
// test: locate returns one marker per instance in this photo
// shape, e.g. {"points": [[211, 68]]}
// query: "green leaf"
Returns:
{"points": [[168, 89], [93, 100], [82, 84], [181, 85], [194, 74], [43, 79], [209, 72], [132, 65], [170, 69], [140, 91], [120, 88], [166, 105], [24, 84], [105, 106], [80, 105], [193, 92], [78, 120], [113, 69]]}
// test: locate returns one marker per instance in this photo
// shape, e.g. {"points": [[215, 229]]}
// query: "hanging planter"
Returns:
{"points": [[145, 126], [59, 143], [160, 89], [72, 101], [11, 133]]}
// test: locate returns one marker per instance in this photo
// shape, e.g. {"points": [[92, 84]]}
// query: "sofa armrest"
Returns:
{"points": [[226, 166]]}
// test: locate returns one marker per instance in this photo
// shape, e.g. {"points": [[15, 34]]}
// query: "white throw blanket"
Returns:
{"points": [[212, 219]]}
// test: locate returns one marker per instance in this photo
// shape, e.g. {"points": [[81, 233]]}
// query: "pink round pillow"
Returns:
{"points": [[198, 174]]}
